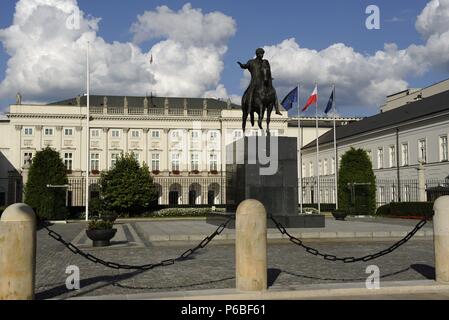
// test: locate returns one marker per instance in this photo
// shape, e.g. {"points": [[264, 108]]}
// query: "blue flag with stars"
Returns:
{"points": [[330, 104], [290, 99]]}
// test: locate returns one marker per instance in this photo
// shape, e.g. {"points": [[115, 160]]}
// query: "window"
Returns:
{"points": [[175, 162], [333, 166], [175, 134], [136, 156], [303, 172], [194, 161], [404, 151], [68, 132], [213, 135], [155, 162], [27, 156], [195, 134], [406, 195], [68, 160], [320, 167], [135, 134], [114, 157], [95, 161], [155, 134], [213, 162], [443, 148], [95, 133], [115, 133], [380, 158], [326, 167], [422, 151], [392, 156], [28, 131], [237, 134], [48, 131], [381, 198], [311, 171]]}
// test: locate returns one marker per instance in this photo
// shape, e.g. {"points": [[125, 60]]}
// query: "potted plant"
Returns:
{"points": [[195, 172], [213, 172], [175, 172], [340, 214], [155, 172], [100, 232], [95, 172]]}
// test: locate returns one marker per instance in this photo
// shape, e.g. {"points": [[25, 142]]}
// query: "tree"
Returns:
{"points": [[47, 168], [357, 183], [128, 187]]}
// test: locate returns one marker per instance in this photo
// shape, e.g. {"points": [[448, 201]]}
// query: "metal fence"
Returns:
{"points": [[387, 191]]}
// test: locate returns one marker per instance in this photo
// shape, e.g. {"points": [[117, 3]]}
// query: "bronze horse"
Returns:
{"points": [[260, 95]]}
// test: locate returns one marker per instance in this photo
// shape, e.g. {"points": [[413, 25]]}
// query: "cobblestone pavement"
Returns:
{"points": [[214, 266]]}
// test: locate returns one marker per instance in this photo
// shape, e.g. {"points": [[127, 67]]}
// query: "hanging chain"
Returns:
{"points": [[331, 257], [163, 263]]}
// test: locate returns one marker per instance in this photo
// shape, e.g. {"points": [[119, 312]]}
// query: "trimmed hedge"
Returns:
{"points": [[181, 212], [406, 209]]}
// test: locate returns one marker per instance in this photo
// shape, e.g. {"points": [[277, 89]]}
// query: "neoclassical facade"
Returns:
{"points": [[182, 140]]}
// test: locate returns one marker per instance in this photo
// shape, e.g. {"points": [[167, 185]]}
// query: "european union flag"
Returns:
{"points": [[290, 99], [330, 104]]}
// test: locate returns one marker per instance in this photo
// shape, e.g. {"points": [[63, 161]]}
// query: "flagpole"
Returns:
{"points": [[317, 151], [300, 156], [87, 134], [335, 154]]}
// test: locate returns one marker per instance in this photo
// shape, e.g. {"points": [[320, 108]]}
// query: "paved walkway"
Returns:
{"points": [[214, 266]]}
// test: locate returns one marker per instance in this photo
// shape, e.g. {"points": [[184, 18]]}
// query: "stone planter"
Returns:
{"points": [[101, 238], [339, 215]]}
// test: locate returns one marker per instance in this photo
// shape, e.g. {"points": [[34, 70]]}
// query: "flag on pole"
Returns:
{"points": [[312, 99], [290, 99], [330, 104]]}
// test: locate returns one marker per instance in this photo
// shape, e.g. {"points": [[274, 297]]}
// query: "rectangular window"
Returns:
{"points": [[155, 134], [381, 198], [115, 133], [326, 167], [213, 135], [404, 152], [28, 131], [443, 148], [194, 161], [422, 151], [68, 132], [213, 162], [114, 157], [175, 162], [95, 133], [406, 195], [311, 170], [392, 150], [195, 135], [95, 161], [135, 134], [303, 172], [237, 134], [175, 134], [380, 158], [48, 132], [320, 167], [155, 162], [27, 156], [333, 166], [68, 160], [136, 156]]}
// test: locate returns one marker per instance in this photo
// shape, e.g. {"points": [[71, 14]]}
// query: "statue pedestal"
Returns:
{"points": [[266, 169]]}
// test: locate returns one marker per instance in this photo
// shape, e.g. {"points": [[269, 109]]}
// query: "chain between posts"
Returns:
{"points": [[331, 257], [163, 263]]}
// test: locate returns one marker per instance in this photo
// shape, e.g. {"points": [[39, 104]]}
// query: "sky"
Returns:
{"points": [[195, 46]]}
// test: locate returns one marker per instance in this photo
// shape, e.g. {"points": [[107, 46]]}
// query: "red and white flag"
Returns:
{"points": [[313, 99]]}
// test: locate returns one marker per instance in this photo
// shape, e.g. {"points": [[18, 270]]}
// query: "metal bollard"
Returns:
{"points": [[251, 246], [17, 253], [441, 238]]}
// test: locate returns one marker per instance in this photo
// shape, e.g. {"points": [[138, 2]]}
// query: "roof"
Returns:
{"points": [[153, 102], [428, 106]]}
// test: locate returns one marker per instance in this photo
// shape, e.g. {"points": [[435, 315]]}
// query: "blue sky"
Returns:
{"points": [[315, 25]]}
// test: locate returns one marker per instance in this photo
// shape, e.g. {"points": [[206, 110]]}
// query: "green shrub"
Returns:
{"points": [[407, 209], [99, 225], [96, 207], [356, 167], [127, 189], [47, 168]]}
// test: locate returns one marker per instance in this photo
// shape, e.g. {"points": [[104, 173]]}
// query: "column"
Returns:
{"points": [[125, 135], [81, 150], [39, 136], [105, 158], [59, 131], [18, 162], [167, 149], [145, 149]]}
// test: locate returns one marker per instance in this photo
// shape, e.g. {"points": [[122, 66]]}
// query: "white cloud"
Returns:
{"points": [[48, 59], [364, 80]]}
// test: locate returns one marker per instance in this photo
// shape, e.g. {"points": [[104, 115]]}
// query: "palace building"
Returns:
{"points": [[182, 140]]}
